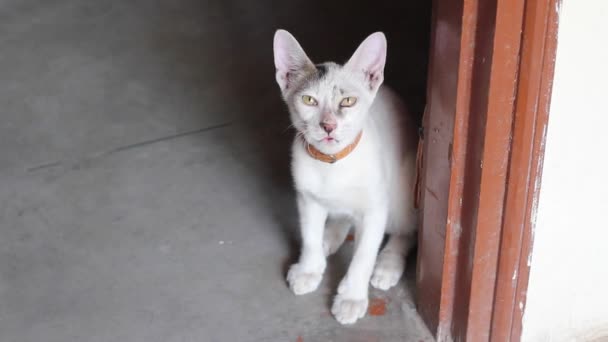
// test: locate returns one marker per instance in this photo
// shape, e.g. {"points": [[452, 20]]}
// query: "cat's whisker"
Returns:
{"points": [[288, 127], [299, 134]]}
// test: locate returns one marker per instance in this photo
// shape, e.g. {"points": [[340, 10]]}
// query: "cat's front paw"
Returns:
{"points": [[348, 310], [303, 281]]}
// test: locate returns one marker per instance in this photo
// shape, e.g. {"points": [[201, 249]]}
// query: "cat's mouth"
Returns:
{"points": [[329, 140]]}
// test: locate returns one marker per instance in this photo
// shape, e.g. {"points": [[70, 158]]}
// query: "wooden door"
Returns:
{"points": [[490, 78]]}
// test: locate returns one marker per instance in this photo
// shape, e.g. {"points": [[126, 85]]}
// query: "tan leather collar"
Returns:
{"points": [[332, 158]]}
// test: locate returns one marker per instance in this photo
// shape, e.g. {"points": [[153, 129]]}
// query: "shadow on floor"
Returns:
{"points": [[239, 50], [144, 164]]}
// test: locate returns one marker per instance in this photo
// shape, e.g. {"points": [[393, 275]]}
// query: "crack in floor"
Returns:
{"points": [[128, 147]]}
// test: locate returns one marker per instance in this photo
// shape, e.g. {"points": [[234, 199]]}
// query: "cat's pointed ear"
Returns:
{"points": [[289, 58], [370, 58]]}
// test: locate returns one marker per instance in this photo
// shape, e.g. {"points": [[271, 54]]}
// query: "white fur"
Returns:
{"points": [[371, 189]]}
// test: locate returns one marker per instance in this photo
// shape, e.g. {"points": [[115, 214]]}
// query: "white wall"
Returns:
{"points": [[568, 288]]}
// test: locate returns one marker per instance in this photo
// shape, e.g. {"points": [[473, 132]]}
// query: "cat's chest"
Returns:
{"points": [[344, 186]]}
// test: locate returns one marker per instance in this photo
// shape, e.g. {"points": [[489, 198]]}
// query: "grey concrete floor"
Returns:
{"points": [[144, 179]]}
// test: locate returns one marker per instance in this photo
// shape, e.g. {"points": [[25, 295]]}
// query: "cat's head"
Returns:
{"points": [[328, 102]]}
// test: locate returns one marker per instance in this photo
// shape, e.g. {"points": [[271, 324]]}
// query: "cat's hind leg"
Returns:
{"points": [[335, 233], [390, 264]]}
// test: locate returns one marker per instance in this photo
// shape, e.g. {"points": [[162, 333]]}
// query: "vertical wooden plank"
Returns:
{"points": [[457, 171], [473, 83], [499, 114], [519, 170], [469, 108], [548, 12], [438, 129]]}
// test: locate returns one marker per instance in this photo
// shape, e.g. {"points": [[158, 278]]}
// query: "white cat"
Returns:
{"points": [[353, 165]]}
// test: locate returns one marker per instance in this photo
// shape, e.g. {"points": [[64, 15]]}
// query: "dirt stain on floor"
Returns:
{"points": [[377, 307]]}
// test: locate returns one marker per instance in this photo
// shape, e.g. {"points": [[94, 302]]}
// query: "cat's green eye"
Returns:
{"points": [[309, 100], [348, 101]]}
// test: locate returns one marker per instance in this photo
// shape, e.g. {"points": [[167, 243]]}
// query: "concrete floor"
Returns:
{"points": [[144, 181]]}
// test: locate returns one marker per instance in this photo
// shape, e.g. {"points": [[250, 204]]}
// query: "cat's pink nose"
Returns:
{"points": [[328, 127]]}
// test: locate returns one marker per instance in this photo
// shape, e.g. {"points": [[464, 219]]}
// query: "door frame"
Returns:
{"points": [[478, 214]]}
